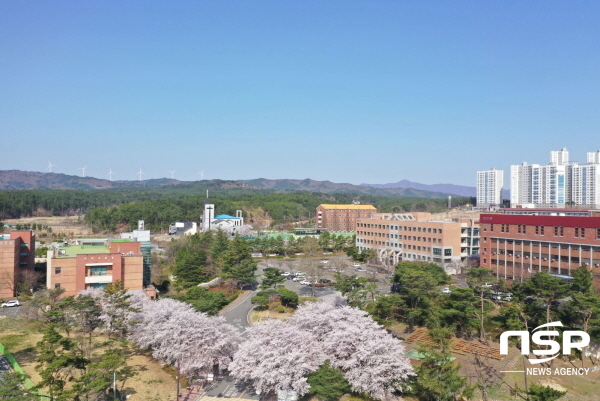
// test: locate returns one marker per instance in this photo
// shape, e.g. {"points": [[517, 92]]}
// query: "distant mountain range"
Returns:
{"points": [[17, 179], [460, 190]]}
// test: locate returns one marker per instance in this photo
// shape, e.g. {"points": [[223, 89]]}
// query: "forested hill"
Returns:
{"points": [[161, 206], [16, 179]]}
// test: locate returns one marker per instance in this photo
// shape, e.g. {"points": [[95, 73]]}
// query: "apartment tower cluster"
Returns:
{"points": [[561, 183]]}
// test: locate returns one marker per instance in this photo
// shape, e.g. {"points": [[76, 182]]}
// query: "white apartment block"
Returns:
{"points": [[489, 188], [558, 184]]}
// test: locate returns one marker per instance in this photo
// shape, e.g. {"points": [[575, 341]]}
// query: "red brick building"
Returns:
{"points": [[342, 218], [94, 263], [17, 255], [517, 246]]}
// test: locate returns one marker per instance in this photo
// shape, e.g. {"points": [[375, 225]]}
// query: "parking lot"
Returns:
{"points": [[13, 311], [326, 268]]}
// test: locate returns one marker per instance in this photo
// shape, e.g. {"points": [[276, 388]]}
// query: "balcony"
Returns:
{"points": [[98, 279]]}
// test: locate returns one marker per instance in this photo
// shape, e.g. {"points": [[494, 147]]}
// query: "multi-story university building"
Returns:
{"points": [[521, 242], [416, 237], [558, 184], [94, 263], [17, 255], [342, 218], [489, 188]]}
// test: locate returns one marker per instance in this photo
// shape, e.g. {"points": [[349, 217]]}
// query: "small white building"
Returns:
{"points": [[224, 222]]}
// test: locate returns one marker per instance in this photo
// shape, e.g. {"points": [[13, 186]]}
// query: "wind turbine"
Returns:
{"points": [[201, 175], [110, 174], [172, 173], [140, 173], [50, 165], [82, 171]]}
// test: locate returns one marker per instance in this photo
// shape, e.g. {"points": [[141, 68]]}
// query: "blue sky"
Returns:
{"points": [[346, 91]]}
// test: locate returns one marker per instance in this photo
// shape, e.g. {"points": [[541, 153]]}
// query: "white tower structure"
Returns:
{"points": [[209, 214], [489, 188]]}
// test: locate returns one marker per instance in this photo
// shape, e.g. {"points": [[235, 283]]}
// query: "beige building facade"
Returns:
{"points": [[401, 237]]}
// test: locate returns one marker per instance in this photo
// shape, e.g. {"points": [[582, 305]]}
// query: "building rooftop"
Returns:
{"points": [[70, 251], [225, 216], [360, 207]]}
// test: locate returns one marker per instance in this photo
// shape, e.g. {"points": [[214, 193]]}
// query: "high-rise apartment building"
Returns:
{"points": [[489, 188], [533, 185]]}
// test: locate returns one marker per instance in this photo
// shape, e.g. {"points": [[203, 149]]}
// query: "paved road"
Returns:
{"points": [[13, 311]]}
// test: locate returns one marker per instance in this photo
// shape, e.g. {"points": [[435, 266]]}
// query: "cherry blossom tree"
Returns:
{"points": [[276, 355], [190, 341], [281, 354]]}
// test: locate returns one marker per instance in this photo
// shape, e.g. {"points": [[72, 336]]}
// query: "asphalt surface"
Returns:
{"points": [[13, 311]]}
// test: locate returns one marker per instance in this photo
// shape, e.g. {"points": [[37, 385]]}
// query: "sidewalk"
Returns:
{"points": [[243, 295]]}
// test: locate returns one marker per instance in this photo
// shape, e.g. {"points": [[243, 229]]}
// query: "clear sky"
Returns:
{"points": [[346, 91]]}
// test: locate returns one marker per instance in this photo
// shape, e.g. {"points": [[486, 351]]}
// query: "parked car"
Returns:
{"points": [[324, 261], [446, 290], [297, 278], [355, 264], [305, 282], [285, 273], [359, 269], [11, 303]]}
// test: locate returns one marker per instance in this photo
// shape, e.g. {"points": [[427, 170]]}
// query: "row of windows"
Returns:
{"points": [[580, 232], [399, 228], [401, 237]]}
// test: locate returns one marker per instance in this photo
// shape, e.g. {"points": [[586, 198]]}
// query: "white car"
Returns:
{"points": [[285, 274], [297, 278], [11, 303], [324, 261], [305, 282], [446, 290], [355, 264]]}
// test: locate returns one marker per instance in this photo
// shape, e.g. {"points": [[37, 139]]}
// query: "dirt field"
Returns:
{"points": [[67, 226], [152, 383]]}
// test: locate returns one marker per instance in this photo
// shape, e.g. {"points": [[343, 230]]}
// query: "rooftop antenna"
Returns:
{"points": [[172, 173], [201, 175], [110, 174], [50, 165], [140, 173], [83, 170]]}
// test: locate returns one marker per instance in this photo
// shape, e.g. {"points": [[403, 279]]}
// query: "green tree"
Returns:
{"points": [[203, 300], [12, 389], [238, 263], [288, 297], [438, 378], [271, 277], [260, 300], [477, 278], [582, 280], [543, 393], [58, 361], [190, 267], [546, 288], [327, 383], [96, 382]]}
